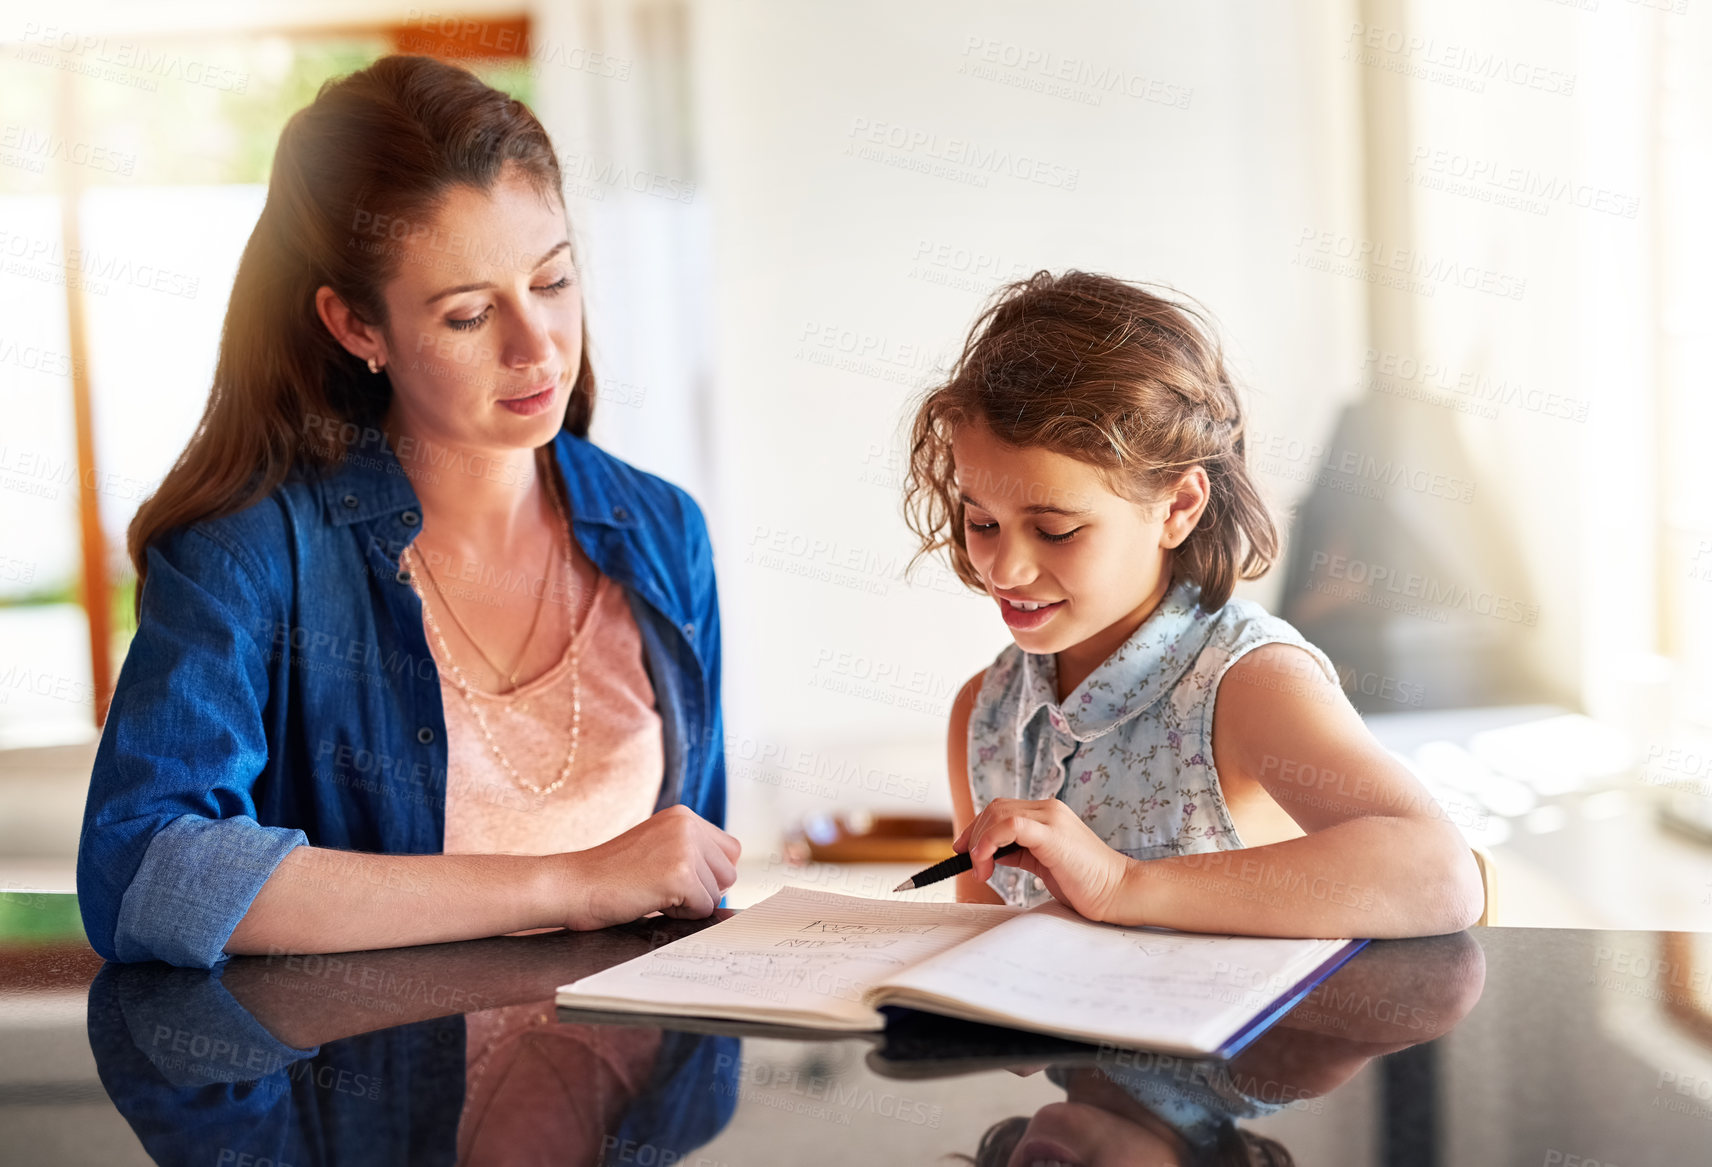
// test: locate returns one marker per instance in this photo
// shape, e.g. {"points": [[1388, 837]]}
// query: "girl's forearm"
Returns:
{"points": [[1374, 877], [321, 900]]}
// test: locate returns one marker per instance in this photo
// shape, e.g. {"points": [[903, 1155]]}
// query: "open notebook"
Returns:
{"points": [[815, 959]]}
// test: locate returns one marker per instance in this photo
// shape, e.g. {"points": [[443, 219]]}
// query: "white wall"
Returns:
{"points": [[822, 254]]}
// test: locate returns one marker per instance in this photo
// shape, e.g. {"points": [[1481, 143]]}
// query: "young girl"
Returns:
{"points": [[1083, 464]]}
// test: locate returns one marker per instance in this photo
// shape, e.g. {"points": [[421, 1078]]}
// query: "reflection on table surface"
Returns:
{"points": [[1492, 1046]]}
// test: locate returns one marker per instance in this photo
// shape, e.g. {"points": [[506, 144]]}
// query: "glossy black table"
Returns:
{"points": [[1501, 1046]]}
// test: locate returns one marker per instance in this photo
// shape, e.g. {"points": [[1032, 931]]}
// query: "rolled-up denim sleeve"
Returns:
{"points": [[196, 881], [172, 854], [192, 1030]]}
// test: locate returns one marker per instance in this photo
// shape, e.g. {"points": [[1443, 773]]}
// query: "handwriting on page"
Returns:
{"points": [[799, 952], [1061, 971]]}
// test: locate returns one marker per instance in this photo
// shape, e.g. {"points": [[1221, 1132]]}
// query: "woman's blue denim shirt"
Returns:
{"points": [[280, 691]]}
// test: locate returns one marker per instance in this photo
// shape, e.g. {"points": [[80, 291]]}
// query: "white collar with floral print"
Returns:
{"points": [[1140, 671]]}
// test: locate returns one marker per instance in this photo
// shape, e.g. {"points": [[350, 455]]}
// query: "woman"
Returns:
{"points": [[379, 695]]}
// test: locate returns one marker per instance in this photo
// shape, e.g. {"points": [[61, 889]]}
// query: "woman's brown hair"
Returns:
{"points": [[1112, 374], [378, 148]]}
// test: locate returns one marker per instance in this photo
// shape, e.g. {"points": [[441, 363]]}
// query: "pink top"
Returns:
{"points": [[537, 1091], [620, 762]]}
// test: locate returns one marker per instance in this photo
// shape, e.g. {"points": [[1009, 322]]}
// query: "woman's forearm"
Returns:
{"points": [[319, 900], [322, 900], [287, 994], [1369, 877]]}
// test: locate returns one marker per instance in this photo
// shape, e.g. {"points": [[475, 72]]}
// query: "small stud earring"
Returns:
{"points": [[374, 365]]}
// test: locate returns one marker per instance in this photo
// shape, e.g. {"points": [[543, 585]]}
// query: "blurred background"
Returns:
{"points": [[1457, 250]]}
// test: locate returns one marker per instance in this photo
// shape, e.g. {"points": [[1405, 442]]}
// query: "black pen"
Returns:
{"points": [[946, 868]]}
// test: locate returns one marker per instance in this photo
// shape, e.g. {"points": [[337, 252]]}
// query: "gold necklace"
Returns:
{"points": [[527, 1029], [510, 675], [576, 684]]}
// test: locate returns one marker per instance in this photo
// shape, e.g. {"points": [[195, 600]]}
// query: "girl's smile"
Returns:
{"points": [[1027, 615]]}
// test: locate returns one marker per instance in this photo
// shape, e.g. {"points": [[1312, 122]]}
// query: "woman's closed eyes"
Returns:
{"points": [[474, 322]]}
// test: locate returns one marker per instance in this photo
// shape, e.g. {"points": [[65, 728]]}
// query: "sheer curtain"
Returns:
{"points": [[1527, 177], [613, 86], [1682, 240]]}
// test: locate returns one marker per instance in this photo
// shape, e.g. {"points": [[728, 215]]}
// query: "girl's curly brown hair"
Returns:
{"points": [[1108, 373]]}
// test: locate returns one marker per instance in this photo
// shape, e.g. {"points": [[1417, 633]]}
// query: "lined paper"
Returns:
{"points": [[799, 956], [1052, 970], [824, 961]]}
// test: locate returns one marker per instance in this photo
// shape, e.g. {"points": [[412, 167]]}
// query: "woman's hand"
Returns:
{"points": [[675, 862], [1076, 865]]}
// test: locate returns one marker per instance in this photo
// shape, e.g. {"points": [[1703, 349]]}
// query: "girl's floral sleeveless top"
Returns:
{"points": [[1131, 749]]}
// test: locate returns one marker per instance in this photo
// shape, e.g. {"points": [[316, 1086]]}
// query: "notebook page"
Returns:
{"points": [[797, 957], [1051, 970]]}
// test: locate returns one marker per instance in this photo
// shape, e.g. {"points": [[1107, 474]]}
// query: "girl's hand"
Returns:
{"points": [[1076, 865]]}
